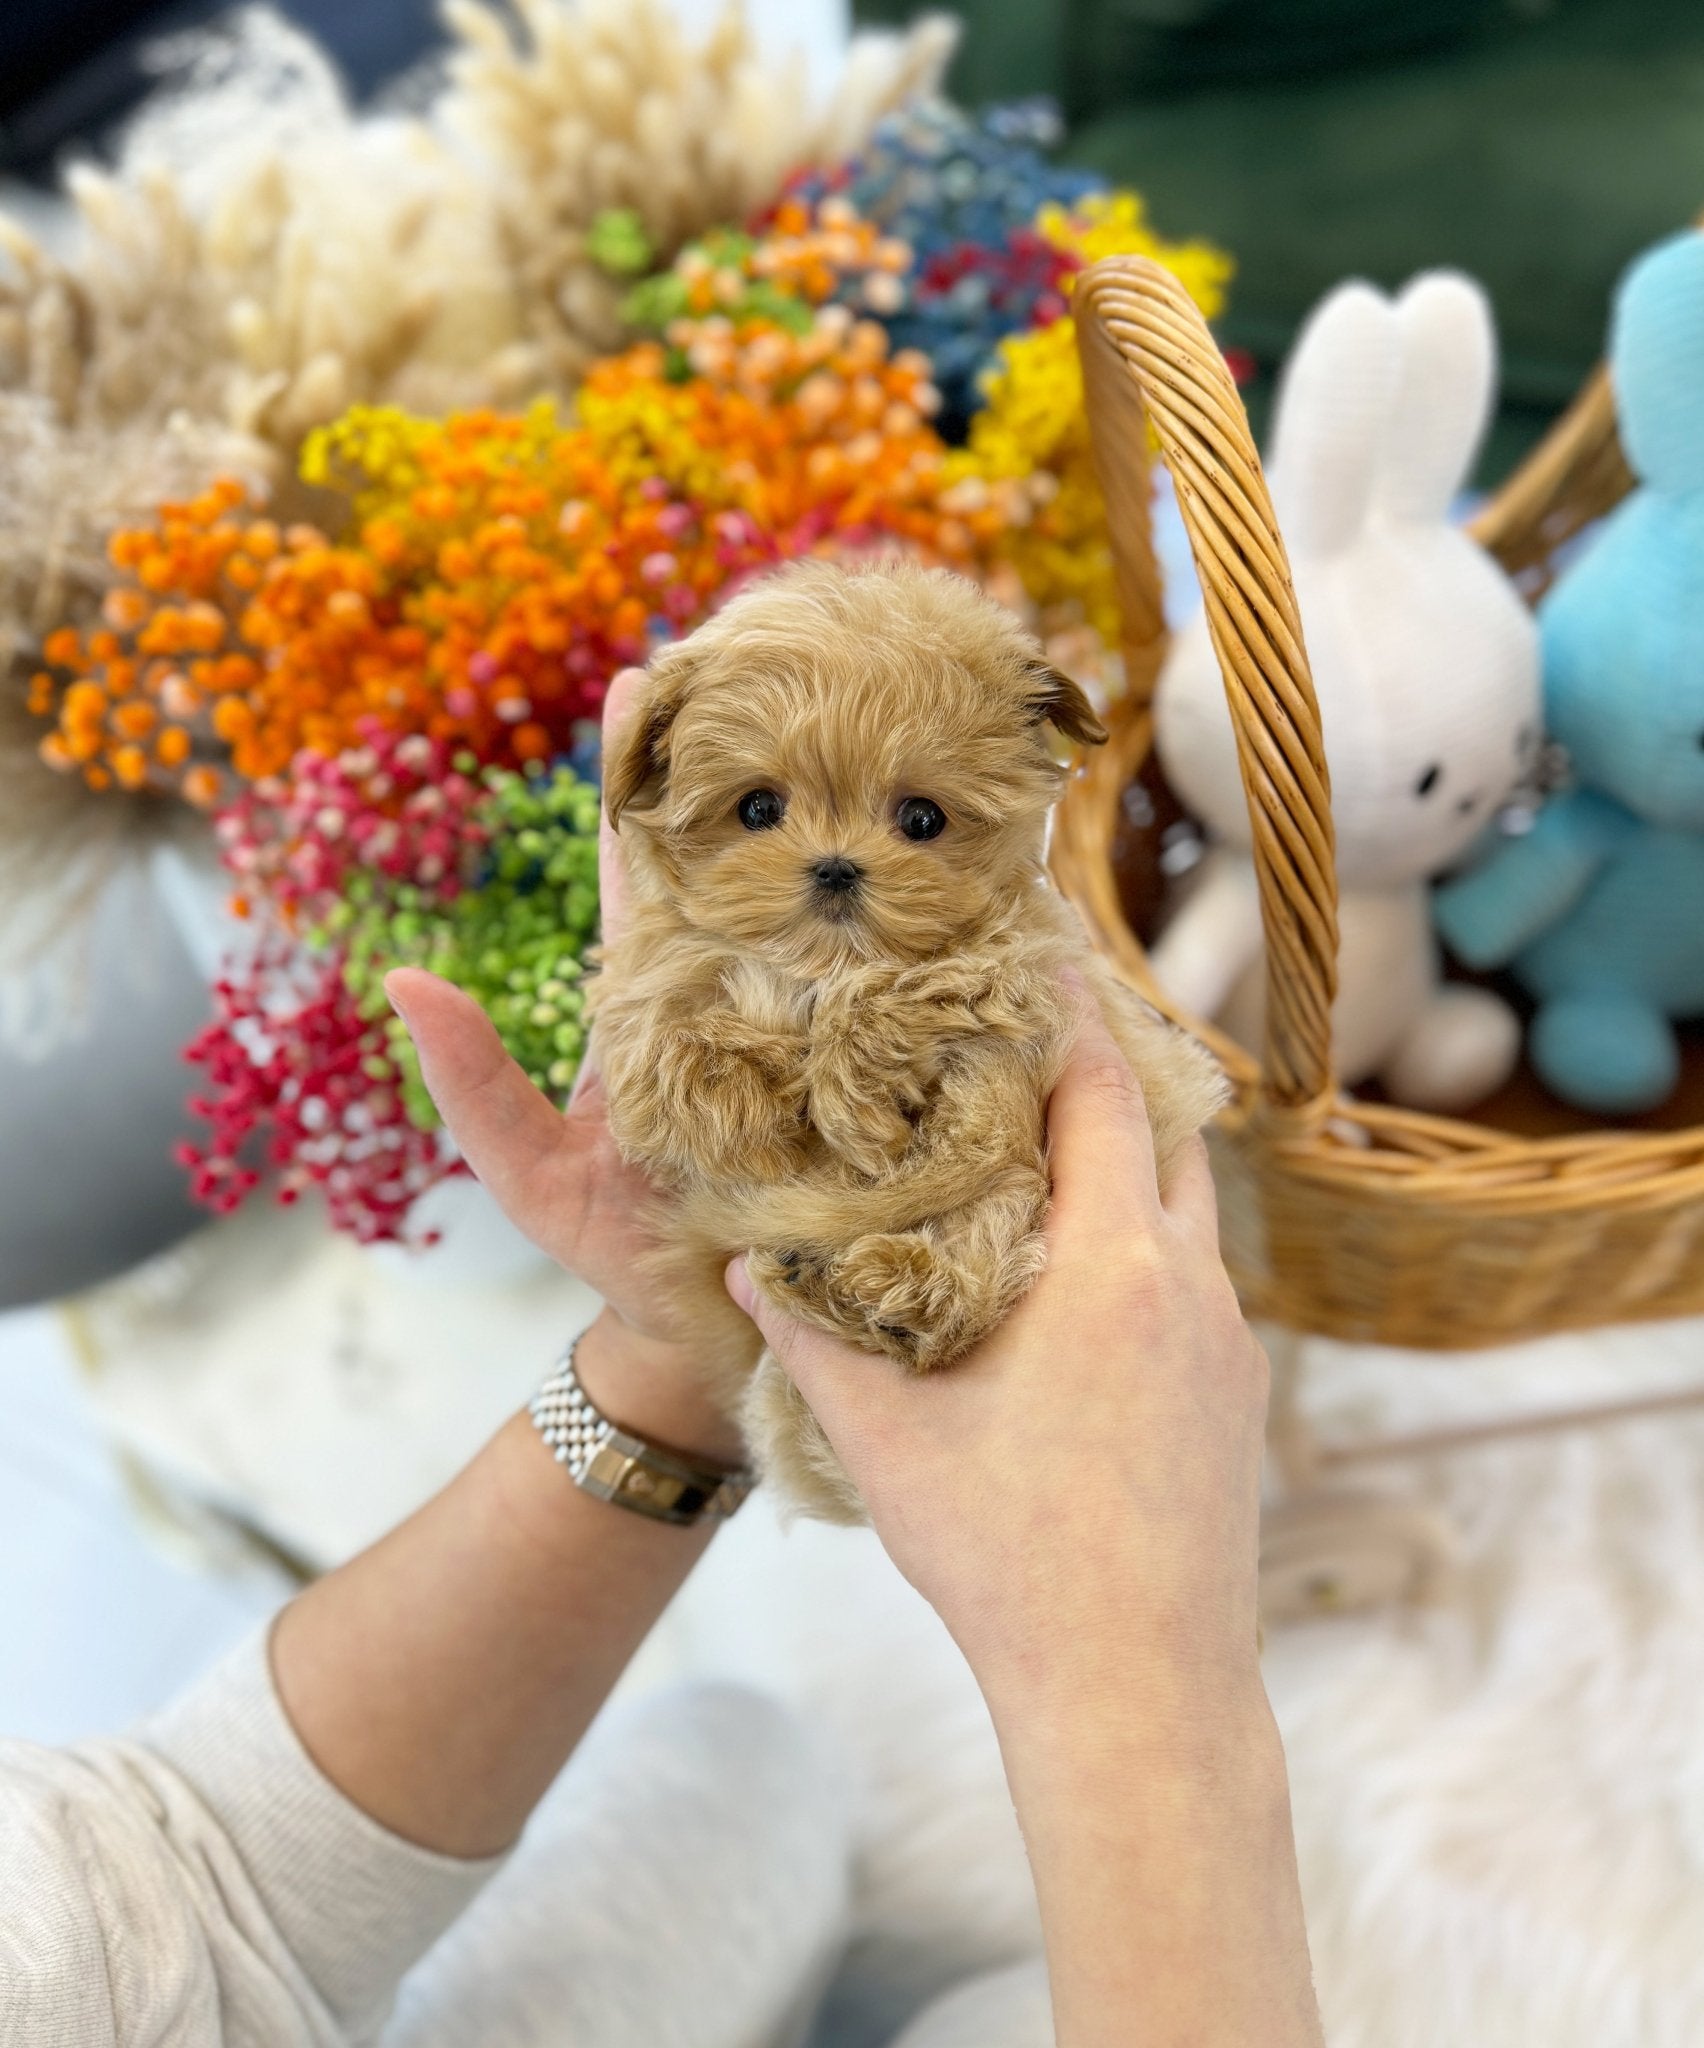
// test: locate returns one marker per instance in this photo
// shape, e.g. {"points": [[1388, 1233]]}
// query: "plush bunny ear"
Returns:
{"points": [[1656, 362], [1333, 401], [1444, 388], [1056, 700], [636, 767]]}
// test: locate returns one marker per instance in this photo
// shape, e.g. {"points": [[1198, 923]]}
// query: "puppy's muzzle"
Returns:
{"points": [[837, 876]]}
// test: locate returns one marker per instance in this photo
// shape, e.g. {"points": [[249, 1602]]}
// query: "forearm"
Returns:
{"points": [[1155, 1807], [441, 1679]]}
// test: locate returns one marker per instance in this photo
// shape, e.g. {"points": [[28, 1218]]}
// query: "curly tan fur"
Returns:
{"points": [[852, 1084]]}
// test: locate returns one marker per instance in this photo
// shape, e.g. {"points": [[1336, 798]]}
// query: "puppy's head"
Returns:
{"points": [[845, 764]]}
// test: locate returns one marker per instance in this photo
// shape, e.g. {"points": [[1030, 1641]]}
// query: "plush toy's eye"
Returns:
{"points": [[918, 818], [1429, 779], [760, 810]]}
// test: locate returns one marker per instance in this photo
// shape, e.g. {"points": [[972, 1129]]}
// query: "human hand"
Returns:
{"points": [[1088, 1477], [558, 1177]]}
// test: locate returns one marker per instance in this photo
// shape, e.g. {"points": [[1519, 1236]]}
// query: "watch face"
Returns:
{"points": [[612, 1465]]}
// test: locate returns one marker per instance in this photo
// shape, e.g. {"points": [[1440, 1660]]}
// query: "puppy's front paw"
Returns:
{"points": [[793, 1281], [865, 1117], [813, 1287], [868, 1078], [905, 1294], [720, 1103], [750, 1112]]}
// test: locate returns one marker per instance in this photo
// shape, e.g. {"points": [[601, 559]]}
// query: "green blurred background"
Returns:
{"points": [[1537, 144]]}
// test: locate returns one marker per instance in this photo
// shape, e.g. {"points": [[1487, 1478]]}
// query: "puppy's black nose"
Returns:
{"points": [[838, 875]]}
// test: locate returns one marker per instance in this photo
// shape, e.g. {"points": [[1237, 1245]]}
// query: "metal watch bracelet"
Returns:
{"points": [[612, 1464]]}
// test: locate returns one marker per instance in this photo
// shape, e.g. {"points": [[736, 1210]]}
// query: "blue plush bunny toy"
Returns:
{"points": [[1600, 908]]}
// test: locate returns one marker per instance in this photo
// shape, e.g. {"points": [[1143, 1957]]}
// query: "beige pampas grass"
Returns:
{"points": [[348, 258], [265, 257], [129, 326], [578, 107]]}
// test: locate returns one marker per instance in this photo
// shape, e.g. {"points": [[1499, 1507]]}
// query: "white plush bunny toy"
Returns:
{"points": [[1426, 664]]}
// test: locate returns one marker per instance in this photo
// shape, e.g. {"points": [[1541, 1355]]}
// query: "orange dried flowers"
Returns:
{"points": [[499, 567]]}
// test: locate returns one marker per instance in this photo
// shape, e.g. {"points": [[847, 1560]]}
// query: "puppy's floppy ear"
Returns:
{"points": [[1063, 705], [635, 769]]}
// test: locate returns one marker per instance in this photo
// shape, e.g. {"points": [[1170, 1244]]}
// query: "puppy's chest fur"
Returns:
{"points": [[878, 1072], [900, 1063]]}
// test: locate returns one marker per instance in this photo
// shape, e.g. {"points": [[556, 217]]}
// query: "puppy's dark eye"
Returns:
{"points": [[760, 810], [1429, 780], [918, 818]]}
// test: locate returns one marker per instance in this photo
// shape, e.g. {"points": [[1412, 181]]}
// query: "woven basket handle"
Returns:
{"points": [[1576, 474], [1148, 359]]}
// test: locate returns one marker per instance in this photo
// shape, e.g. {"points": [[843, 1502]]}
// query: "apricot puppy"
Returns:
{"points": [[833, 1022]]}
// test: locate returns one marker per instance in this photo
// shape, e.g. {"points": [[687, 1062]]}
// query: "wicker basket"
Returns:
{"points": [[1344, 1218]]}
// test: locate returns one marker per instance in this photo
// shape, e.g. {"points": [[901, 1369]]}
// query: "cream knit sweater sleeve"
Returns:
{"points": [[200, 1884]]}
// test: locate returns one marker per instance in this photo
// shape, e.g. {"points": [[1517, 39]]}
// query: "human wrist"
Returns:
{"points": [[1102, 1749], [1163, 1853], [1090, 1715], [1116, 1642], [654, 1389]]}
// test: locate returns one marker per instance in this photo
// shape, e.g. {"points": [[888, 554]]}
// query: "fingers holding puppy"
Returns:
{"points": [[843, 1387], [1100, 1144]]}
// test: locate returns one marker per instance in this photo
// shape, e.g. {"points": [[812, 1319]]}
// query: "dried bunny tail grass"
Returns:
{"points": [[121, 327], [44, 319], [365, 269], [260, 256], [607, 103], [263, 256], [63, 489], [127, 326], [154, 330], [581, 106], [356, 259], [247, 86]]}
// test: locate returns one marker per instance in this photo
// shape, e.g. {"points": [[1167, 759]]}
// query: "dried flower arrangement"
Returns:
{"points": [[261, 257], [606, 107], [486, 877], [383, 681]]}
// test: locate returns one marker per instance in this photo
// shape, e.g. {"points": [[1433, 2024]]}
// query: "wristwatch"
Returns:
{"points": [[613, 1464]]}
